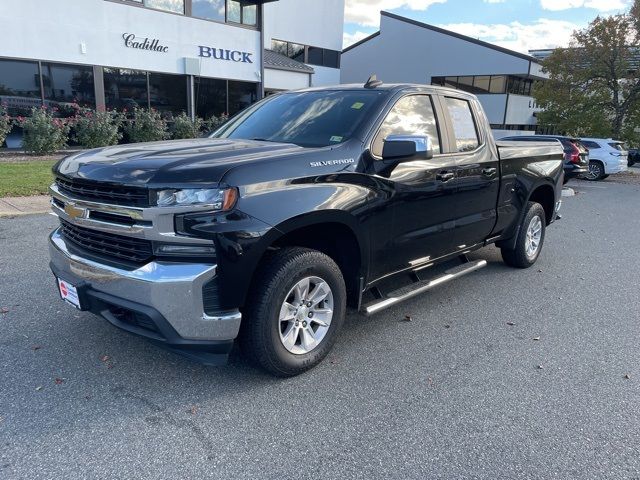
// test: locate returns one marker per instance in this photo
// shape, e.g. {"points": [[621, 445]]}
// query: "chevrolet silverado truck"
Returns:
{"points": [[301, 206]]}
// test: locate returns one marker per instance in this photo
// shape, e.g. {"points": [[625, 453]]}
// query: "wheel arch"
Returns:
{"points": [[334, 233]]}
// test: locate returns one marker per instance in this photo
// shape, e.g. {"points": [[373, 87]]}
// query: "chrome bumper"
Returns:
{"points": [[174, 290]]}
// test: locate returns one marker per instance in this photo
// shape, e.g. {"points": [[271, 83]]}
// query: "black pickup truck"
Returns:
{"points": [[302, 205]]}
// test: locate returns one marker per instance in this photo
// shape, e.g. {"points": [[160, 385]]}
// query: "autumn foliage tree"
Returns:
{"points": [[594, 84]]}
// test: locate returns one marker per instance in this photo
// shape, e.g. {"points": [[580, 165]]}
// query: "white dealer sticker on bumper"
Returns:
{"points": [[69, 293]]}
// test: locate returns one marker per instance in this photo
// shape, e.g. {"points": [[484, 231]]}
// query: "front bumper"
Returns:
{"points": [[162, 301]]}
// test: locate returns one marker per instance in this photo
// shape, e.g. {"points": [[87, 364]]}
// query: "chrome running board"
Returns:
{"points": [[422, 286]]}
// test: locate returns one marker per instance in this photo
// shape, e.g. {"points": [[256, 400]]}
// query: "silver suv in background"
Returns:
{"points": [[606, 157]]}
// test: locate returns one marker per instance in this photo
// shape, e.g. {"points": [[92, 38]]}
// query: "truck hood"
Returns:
{"points": [[174, 163]]}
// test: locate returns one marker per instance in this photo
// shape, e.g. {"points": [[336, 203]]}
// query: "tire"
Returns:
{"points": [[596, 171], [520, 256], [269, 324]]}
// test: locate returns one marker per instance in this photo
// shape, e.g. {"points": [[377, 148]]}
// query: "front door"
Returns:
{"points": [[422, 191]]}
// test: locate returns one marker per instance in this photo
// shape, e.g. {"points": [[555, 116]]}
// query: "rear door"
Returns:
{"points": [[477, 169]]}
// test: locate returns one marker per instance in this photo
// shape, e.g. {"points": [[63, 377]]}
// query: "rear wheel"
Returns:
{"points": [[530, 238], [596, 170], [294, 311]]}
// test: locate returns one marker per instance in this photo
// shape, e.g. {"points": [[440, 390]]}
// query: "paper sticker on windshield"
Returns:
{"points": [[357, 105], [336, 139]]}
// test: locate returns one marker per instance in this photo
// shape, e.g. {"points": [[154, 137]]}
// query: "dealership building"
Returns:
{"points": [[407, 51], [204, 57]]}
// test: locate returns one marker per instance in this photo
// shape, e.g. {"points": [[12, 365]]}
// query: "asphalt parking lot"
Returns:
{"points": [[502, 374]]}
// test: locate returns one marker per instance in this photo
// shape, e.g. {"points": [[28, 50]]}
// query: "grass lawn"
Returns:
{"points": [[25, 178]]}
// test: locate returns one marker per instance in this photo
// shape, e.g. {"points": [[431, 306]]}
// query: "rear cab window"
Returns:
{"points": [[464, 125]]}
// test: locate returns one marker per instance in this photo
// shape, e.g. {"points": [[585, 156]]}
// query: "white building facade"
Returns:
{"points": [[203, 57], [407, 51]]}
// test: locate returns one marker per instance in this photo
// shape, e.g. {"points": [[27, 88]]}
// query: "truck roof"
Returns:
{"points": [[384, 86]]}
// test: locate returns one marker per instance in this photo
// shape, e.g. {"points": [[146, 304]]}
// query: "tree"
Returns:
{"points": [[594, 84]]}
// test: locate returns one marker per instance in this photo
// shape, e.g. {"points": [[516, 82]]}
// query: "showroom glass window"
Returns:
{"points": [[125, 89], [19, 86], [210, 97], [68, 84], [241, 95], [209, 9], [168, 93]]}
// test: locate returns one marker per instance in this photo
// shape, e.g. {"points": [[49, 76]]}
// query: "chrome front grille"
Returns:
{"points": [[108, 245], [106, 193]]}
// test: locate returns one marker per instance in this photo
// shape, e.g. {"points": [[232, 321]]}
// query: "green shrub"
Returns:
{"points": [[216, 122], [5, 125], [184, 127], [146, 126], [43, 133], [98, 129]]}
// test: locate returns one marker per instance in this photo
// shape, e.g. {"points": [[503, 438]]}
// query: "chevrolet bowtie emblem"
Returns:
{"points": [[73, 211]]}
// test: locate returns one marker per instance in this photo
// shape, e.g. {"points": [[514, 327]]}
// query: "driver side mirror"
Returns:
{"points": [[405, 148]]}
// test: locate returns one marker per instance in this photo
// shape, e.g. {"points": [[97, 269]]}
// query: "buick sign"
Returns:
{"points": [[222, 54]]}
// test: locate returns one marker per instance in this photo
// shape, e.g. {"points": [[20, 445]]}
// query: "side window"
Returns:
{"points": [[591, 145], [411, 115], [464, 126]]}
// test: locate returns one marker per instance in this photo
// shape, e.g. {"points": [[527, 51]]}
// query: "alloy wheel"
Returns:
{"points": [[534, 236], [305, 315]]}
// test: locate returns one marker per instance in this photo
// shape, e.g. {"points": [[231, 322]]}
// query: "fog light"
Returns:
{"points": [[177, 250]]}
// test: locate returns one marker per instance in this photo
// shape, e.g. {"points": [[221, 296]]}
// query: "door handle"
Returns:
{"points": [[445, 176], [489, 172]]}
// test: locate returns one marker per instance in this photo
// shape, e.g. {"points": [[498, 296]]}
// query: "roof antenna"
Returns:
{"points": [[373, 82]]}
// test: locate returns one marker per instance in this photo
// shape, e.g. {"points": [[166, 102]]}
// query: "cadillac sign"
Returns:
{"points": [[149, 44]]}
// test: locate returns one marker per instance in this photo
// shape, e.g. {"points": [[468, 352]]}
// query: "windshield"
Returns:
{"points": [[308, 119]]}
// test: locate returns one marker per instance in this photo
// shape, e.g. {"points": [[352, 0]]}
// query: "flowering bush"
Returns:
{"points": [[43, 133], [184, 127], [98, 129], [146, 126], [5, 125], [216, 122]]}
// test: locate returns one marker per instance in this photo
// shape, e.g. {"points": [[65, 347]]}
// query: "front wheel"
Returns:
{"points": [[294, 311], [530, 238]]}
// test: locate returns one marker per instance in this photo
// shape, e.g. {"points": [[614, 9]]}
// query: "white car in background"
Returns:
{"points": [[606, 156]]}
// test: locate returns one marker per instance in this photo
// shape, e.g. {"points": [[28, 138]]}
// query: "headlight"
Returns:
{"points": [[217, 199]]}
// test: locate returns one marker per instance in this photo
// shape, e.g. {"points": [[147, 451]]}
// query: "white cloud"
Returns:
{"points": [[367, 12], [351, 38], [600, 5], [543, 33]]}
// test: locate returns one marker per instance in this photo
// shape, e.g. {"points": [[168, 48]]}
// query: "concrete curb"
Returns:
{"points": [[17, 206]]}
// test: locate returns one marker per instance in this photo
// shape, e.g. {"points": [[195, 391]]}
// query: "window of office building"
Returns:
{"points": [[67, 84], [481, 83], [210, 97], [498, 84], [238, 13], [249, 14], [209, 9], [168, 93], [19, 86], [241, 95], [125, 89], [175, 6]]}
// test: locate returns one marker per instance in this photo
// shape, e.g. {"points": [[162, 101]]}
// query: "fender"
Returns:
{"points": [[279, 210]]}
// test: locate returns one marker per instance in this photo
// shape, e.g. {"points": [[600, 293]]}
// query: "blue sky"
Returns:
{"points": [[518, 24]]}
